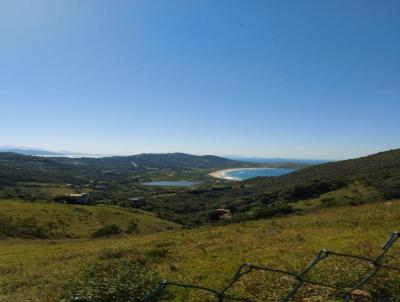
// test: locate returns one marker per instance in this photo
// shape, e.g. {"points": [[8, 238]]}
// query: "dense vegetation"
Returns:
{"points": [[18, 168], [49, 270], [115, 180], [112, 179]]}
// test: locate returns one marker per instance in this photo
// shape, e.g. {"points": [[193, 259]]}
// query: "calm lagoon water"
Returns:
{"points": [[251, 173], [178, 183]]}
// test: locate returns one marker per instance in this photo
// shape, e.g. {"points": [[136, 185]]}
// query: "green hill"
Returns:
{"points": [[16, 168], [381, 170], [367, 179], [42, 270], [52, 220], [157, 161]]}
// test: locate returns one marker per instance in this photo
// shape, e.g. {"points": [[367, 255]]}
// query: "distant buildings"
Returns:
{"points": [[100, 185], [136, 202], [82, 198], [224, 213]]}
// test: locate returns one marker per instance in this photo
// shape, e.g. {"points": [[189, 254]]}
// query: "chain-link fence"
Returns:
{"points": [[350, 291]]}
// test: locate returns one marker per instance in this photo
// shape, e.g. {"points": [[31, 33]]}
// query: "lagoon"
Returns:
{"points": [[243, 174]]}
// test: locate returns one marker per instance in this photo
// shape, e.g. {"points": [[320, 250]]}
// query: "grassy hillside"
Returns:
{"points": [[376, 177], [381, 170], [52, 220], [42, 270], [353, 193]]}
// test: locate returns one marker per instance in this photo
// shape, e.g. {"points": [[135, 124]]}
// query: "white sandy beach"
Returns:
{"points": [[222, 174]]}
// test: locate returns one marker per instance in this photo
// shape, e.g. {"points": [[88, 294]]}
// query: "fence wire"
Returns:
{"points": [[300, 277]]}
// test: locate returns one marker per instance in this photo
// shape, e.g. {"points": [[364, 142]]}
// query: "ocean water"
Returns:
{"points": [[251, 173], [178, 183]]}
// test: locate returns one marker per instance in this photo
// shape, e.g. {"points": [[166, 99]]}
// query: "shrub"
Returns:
{"points": [[272, 210], [25, 228], [107, 230], [214, 215], [328, 201], [157, 252], [165, 243], [113, 281], [132, 227], [116, 253]]}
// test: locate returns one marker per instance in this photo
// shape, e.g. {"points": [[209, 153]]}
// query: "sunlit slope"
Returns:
{"points": [[39, 270], [52, 220]]}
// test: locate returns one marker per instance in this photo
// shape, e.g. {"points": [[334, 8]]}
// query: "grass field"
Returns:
{"points": [[354, 193], [77, 221], [48, 189], [40, 270]]}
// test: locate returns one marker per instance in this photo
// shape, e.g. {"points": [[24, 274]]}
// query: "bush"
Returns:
{"points": [[117, 253], [132, 227], [272, 210], [24, 228], [114, 281], [157, 252], [107, 230], [329, 201], [311, 190], [214, 215]]}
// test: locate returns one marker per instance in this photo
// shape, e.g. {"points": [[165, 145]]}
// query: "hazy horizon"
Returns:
{"points": [[232, 156], [303, 79]]}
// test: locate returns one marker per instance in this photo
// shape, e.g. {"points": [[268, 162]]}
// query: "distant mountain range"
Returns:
{"points": [[257, 160], [31, 151], [46, 153]]}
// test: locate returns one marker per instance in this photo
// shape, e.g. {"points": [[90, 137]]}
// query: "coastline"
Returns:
{"points": [[222, 174]]}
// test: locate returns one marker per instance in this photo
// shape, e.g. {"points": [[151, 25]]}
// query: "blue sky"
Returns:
{"points": [[303, 79]]}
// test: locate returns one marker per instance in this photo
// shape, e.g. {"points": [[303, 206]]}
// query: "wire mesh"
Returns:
{"points": [[349, 291]]}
